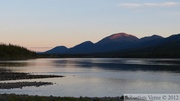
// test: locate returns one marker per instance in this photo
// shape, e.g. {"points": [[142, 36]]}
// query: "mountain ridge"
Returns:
{"points": [[118, 42]]}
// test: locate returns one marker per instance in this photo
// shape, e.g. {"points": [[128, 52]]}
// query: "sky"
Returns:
{"points": [[43, 24]]}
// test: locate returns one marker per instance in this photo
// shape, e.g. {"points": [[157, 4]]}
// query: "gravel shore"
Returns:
{"points": [[19, 76], [23, 84], [6, 75]]}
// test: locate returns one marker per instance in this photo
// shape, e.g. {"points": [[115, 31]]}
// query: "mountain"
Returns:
{"points": [[57, 50], [113, 42], [125, 45], [117, 38], [148, 41], [118, 41], [82, 48], [172, 42], [167, 48], [175, 37], [151, 38]]}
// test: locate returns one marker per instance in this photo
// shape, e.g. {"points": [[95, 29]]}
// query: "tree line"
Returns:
{"points": [[9, 51]]}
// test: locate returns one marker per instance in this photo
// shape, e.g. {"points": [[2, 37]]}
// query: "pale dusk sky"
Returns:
{"points": [[42, 24]]}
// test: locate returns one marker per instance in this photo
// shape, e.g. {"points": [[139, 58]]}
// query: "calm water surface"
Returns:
{"points": [[99, 77]]}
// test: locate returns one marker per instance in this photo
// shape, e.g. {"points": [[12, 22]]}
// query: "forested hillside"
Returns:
{"points": [[15, 52]]}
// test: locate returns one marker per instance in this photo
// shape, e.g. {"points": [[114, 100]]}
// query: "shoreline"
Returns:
{"points": [[15, 97], [6, 75], [20, 85], [9, 75]]}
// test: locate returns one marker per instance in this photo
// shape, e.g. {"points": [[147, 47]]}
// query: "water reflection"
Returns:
{"points": [[124, 64], [15, 65], [170, 65]]}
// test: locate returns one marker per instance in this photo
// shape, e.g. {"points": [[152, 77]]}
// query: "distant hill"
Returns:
{"points": [[151, 38], [126, 45], [15, 52], [57, 50], [83, 48]]}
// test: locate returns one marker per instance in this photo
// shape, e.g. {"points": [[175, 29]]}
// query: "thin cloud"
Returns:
{"points": [[163, 4], [130, 5]]}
